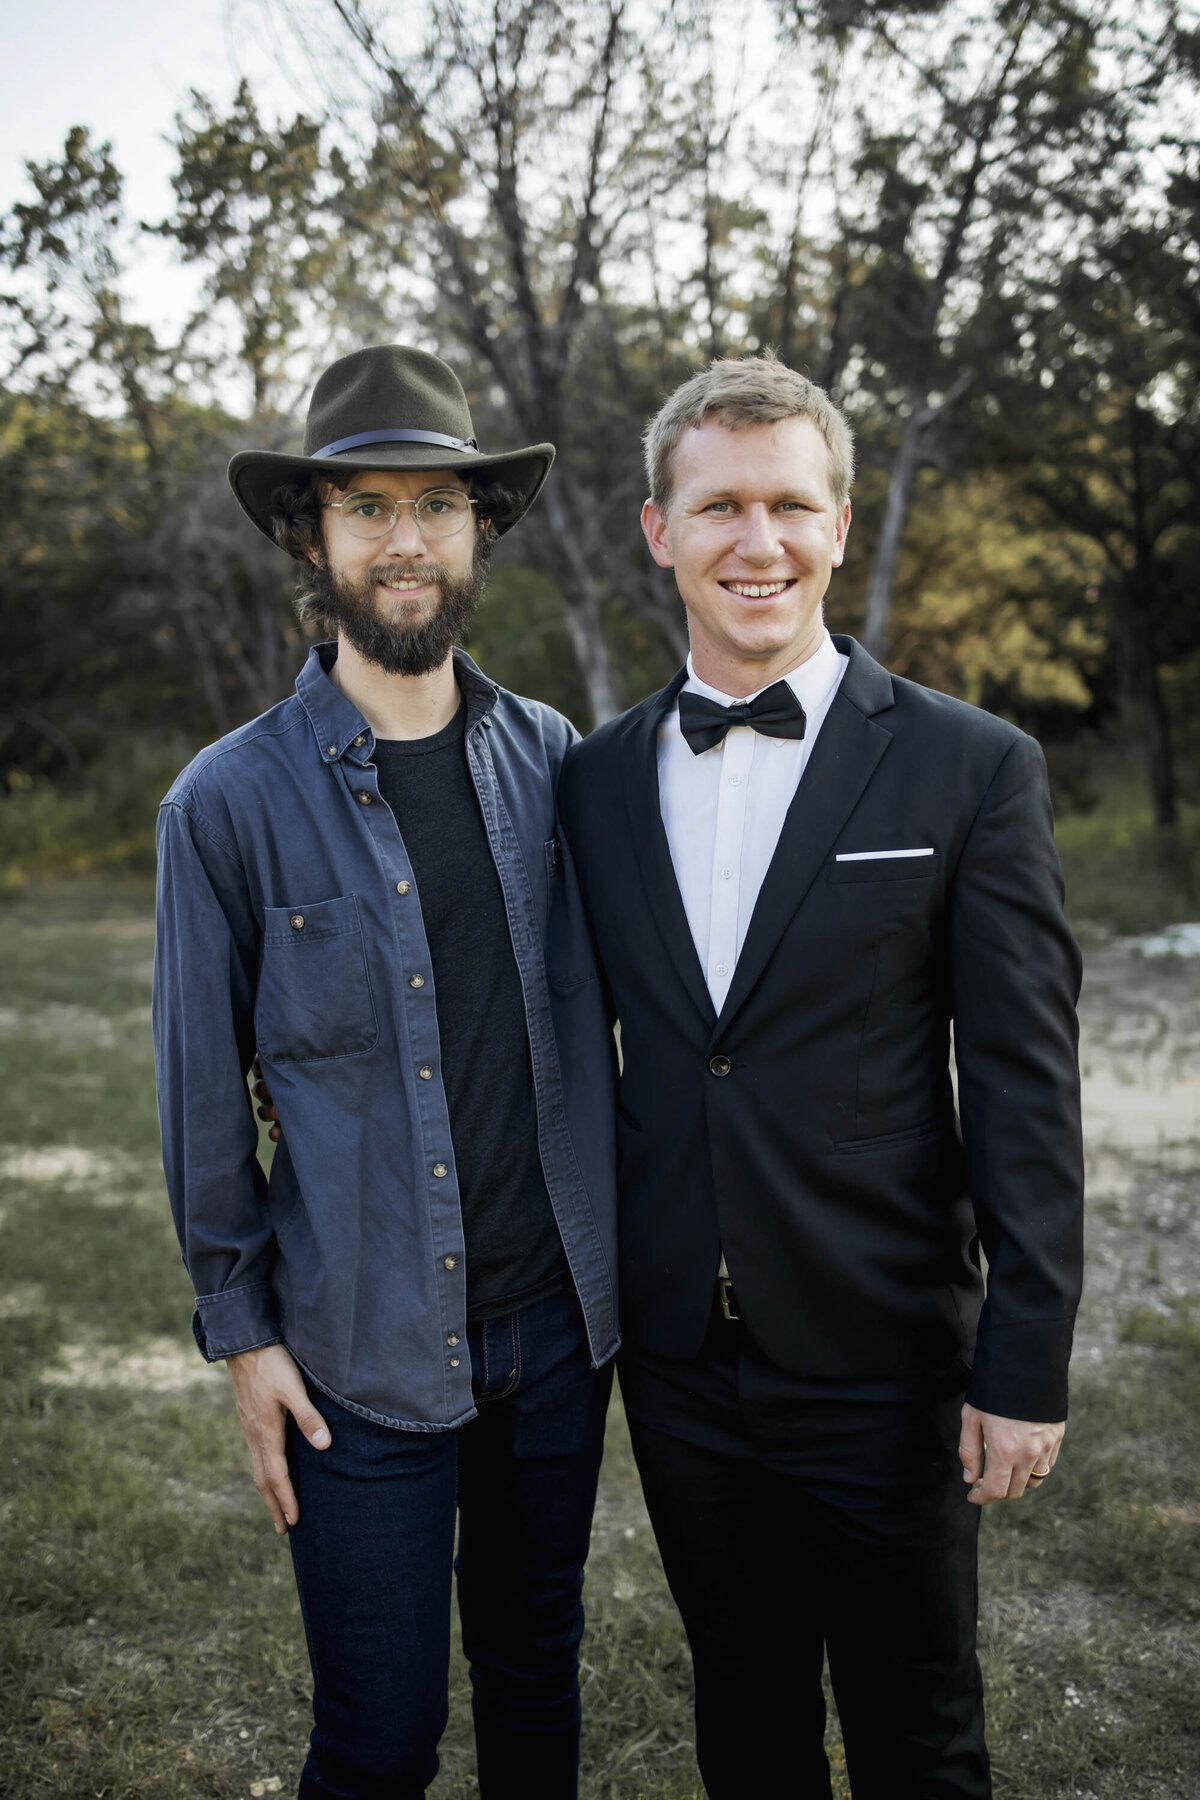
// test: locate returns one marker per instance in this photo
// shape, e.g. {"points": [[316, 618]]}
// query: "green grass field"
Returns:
{"points": [[151, 1647]]}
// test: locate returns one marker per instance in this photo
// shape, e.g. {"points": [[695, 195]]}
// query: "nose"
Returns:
{"points": [[760, 541], [404, 539]]}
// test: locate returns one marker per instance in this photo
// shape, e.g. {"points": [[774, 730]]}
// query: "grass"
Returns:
{"points": [[1121, 873], [150, 1645]]}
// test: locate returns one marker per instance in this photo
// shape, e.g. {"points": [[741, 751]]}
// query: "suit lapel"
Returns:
{"points": [[843, 760], [651, 851]]}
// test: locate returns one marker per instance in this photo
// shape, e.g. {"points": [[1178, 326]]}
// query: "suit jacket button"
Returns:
{"points": [[719, 1065]]}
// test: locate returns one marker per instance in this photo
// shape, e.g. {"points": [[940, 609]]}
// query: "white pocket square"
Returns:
{"points": [[878, 855]]}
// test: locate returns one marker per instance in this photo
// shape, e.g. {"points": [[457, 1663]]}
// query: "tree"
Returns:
{"points": [[995, 114], [1100, 417], [66, 246], [514, 154], [253, 209]]}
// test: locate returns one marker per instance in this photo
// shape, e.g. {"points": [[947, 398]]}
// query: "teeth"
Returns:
{"points": [[756, 590], [403, 587]]}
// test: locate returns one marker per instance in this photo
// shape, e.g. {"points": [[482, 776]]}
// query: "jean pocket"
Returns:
{"points": [[314, 992]]}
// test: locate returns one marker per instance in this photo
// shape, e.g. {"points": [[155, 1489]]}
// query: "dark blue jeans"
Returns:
{"points": [[373, 1552]]}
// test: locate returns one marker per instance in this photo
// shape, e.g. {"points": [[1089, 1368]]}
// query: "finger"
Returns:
{"points": [[275, 1133], [271, 1499], [970, 1446], [312, 1425], [996, 1481], [285, 1498]]}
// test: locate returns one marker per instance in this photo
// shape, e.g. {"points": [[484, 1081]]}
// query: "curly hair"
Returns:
{"points": [[296, 526]]}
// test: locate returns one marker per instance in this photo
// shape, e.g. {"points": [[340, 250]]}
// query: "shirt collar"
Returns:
{"points": [[338, 725], [810, 682]]}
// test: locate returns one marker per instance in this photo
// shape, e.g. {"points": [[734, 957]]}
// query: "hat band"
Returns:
{"points": [[395, 435]]}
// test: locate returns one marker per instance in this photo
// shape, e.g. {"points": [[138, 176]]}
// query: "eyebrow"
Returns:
{"points": [[807, 496]]}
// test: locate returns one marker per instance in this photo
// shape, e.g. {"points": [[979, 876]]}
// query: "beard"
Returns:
{"points": [[398, 644]]}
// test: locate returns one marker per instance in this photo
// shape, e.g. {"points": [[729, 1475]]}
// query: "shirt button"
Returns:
{"points": [[450, 1262], [452, 1339], [363, 798], [426, 1073], [719, 1065], [297, 921], [454, 1361], [404, 887], [722, 968], [735, 781], [726, 874], [416, 981], [331, 749], [439, 1170], [360, 740]]}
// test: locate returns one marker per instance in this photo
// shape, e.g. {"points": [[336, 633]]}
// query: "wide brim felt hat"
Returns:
{"points": [[387, 407]]}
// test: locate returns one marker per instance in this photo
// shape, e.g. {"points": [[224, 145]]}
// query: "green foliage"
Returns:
{"points": [[991, 259], [99, 820], [1122, 873], [252, 206]]}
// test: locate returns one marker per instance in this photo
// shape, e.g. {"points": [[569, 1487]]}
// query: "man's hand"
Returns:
{"points": [[267, 1386], [266, 1109], [1014, 1451]]}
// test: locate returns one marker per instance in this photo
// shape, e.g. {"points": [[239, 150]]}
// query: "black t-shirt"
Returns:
{"points": [[513, 1249]]}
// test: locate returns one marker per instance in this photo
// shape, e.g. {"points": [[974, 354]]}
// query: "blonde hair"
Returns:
{"points": [[746, 390]]}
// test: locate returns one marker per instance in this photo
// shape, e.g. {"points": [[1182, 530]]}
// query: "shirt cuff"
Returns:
{"points": [[1020, 1370], [241, 1318]]}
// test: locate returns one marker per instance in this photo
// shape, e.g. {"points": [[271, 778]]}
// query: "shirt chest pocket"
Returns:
{"points": [[314, 993]]}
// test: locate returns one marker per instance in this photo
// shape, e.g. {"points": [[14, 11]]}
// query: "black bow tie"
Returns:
{"points": [[775, 712]]}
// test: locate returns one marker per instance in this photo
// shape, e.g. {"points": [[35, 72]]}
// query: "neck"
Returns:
{"points": [[396, 706]]}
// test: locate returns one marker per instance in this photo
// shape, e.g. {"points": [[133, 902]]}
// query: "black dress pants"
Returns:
{"points": [[793, 1524]]}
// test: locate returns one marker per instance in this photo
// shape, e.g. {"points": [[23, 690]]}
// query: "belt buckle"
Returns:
{"points": [[728, 1299]]}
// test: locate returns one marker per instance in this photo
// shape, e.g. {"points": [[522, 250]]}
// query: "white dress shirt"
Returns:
{"points": [[724, 809]]}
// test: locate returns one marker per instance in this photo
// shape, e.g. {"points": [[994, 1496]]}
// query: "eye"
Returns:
{"points": [[719, 509], [445, 504], [364, 506]]}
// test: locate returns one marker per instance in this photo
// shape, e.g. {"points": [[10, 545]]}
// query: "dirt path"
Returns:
{"points": [[1140, 1057]]}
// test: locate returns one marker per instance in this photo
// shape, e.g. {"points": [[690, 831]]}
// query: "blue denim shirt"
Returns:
{"points": [[289, 925]]}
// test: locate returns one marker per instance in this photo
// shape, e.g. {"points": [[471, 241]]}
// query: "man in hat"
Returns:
{"points": [[364, 889], [801, 871]]}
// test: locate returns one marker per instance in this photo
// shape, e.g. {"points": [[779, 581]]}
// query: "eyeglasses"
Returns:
{"points": [[438, 514]]}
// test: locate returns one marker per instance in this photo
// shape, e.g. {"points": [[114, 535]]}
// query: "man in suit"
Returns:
{"points": [[801, 871]]}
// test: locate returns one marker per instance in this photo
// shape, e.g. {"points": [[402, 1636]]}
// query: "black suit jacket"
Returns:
{"points": [[810, 1130]]}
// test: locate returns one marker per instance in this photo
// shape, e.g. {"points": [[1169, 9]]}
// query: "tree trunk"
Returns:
{"points": [[1141, 611], [581, 597], [1151, 721], [883, 570]]}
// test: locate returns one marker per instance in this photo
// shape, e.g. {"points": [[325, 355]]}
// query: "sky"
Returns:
{"points": [[124, 68]]}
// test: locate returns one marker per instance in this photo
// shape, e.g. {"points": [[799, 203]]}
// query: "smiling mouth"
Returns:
{"points": [[407, 584], [757, 590]]}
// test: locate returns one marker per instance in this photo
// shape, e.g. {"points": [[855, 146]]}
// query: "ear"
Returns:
{"points": [[839, 541], [654, 525]]}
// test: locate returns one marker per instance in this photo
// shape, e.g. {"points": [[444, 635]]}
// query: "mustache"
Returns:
{"points": [[380, 574]]}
